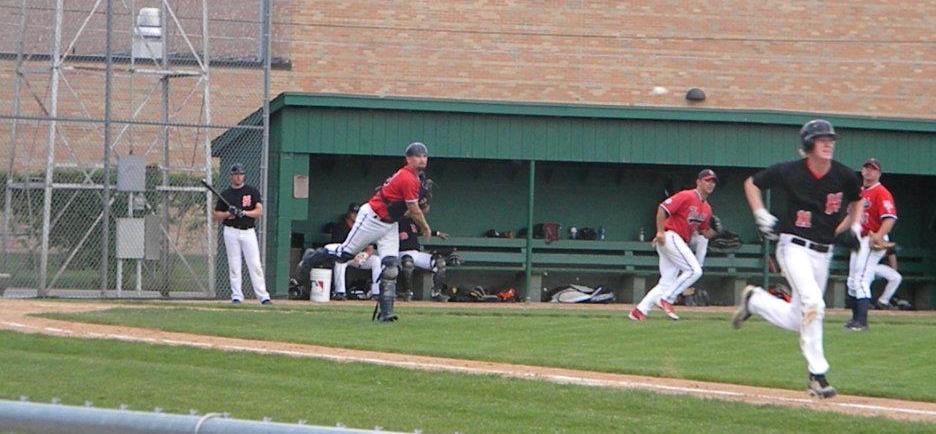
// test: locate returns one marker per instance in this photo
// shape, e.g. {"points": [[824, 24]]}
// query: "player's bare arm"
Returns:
{"points": [[419, 218], [256, 212], [221, 215], [709, 233], [660, 238], [852, 220], [886, 226], [753, 195]]}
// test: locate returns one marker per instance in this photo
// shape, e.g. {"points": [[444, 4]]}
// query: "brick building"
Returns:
{"points": [[857, 58]]}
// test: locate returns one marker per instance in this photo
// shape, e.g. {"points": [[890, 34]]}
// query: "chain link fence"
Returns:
{"points": [[126, 102]]}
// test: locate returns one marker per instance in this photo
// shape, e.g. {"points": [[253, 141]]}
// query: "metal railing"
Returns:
{"points": [[29, 417]]}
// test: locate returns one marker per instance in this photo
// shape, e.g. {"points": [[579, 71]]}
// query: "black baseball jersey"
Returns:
{"points": [[814, 206], [409, 234], [339, 231], [245, 198]]}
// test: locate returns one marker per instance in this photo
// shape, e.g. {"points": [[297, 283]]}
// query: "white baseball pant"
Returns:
{"points": [[237, 241], [893, 279], [422, 260], [698, 244], [861, 268], [679, 269], [807, 272], [372, 263], [369, 229]]}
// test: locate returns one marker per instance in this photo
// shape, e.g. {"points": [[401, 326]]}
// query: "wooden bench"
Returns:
{"points": [[916, 265], [637, 265]]}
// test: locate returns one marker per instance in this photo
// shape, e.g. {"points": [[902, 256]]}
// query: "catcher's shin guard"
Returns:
{"points": [[438, 273], [388, 276], [409, 268]]}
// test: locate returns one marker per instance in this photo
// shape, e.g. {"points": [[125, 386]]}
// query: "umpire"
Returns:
{"points": [[239, 220]]}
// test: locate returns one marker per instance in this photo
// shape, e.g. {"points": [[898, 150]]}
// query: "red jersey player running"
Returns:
{"points": [[376, 222], [677, 218]]}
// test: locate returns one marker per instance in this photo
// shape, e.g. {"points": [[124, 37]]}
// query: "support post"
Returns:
{"points": [[533, 288], [50, 154]]}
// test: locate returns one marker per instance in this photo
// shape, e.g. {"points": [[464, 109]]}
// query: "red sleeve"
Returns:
{"points": [[888, 209], [672, 204], [410, 189]]}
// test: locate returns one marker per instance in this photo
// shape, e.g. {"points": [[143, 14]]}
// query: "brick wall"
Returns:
{"points": [[857, 57]]}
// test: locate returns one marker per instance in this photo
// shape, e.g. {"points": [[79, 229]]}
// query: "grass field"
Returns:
{"points": [[894, 359], [252, 386]]}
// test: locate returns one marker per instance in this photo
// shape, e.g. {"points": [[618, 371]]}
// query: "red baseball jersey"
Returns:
{"points": [[687, 213], [389, 202], [878, 205]]}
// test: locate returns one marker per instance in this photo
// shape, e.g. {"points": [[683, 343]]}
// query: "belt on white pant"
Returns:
{"points": [[811, 245]]}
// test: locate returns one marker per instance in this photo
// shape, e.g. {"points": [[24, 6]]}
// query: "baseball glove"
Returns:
{"points": [[882, 244]]}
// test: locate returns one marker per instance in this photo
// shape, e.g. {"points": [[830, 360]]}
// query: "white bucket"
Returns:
{"points": [[321, 285]]}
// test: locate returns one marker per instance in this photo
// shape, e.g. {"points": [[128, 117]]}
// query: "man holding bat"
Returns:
{"points": [[238, 209]]}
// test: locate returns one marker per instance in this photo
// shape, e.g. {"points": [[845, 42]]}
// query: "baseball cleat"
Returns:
{"points": [[339, 296], [636, 315], [884, 306], [667, 309], [235, 301], [743, 313], [267, 301], [819, 387], [855, 326]]}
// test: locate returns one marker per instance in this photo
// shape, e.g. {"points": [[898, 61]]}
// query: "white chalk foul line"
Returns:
{"points": [[18, 325], [55, 330], [883, 408]]}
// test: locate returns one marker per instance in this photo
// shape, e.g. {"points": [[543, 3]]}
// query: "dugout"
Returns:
{"points": [[589, 165]]}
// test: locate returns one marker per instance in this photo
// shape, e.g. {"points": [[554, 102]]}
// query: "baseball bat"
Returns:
{"points": [[215, 193]]}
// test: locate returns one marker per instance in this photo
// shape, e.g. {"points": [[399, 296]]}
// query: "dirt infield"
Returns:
{"points": [[14, 315]]}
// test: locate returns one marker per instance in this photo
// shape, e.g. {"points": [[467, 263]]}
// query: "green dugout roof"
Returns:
{"points": [[365, 125]]}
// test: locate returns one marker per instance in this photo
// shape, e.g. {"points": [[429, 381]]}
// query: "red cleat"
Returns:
{"points": [[637, 315], [668, 309]]}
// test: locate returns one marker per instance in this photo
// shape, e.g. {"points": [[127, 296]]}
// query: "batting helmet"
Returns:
{"points": [[416, 148], [815, 128]]}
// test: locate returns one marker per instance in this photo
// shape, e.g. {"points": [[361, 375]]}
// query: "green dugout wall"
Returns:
{"points": [[594, 166]]}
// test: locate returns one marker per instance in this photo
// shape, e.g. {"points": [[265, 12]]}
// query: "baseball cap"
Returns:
{"points": [[354, 207], [237, 169], [416, 148], [708, 173], [872, 162]]}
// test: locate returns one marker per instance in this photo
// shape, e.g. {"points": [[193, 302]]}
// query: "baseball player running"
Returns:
{"points": [[816, 188], [677, 218], [239, 221], [878, 219], [377, 223]]}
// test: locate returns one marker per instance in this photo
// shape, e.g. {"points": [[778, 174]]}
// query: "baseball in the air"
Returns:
{"points": [[660, 90]]}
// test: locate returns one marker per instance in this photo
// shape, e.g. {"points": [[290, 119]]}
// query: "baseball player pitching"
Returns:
{"points": [[677, 218], [878, 219], [240, 237], [377, 223], [822, 200]]}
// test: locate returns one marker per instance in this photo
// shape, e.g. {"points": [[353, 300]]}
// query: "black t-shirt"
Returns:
{"points": [[245, 198], [409, 234], [814, 207], [339, 231]]}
